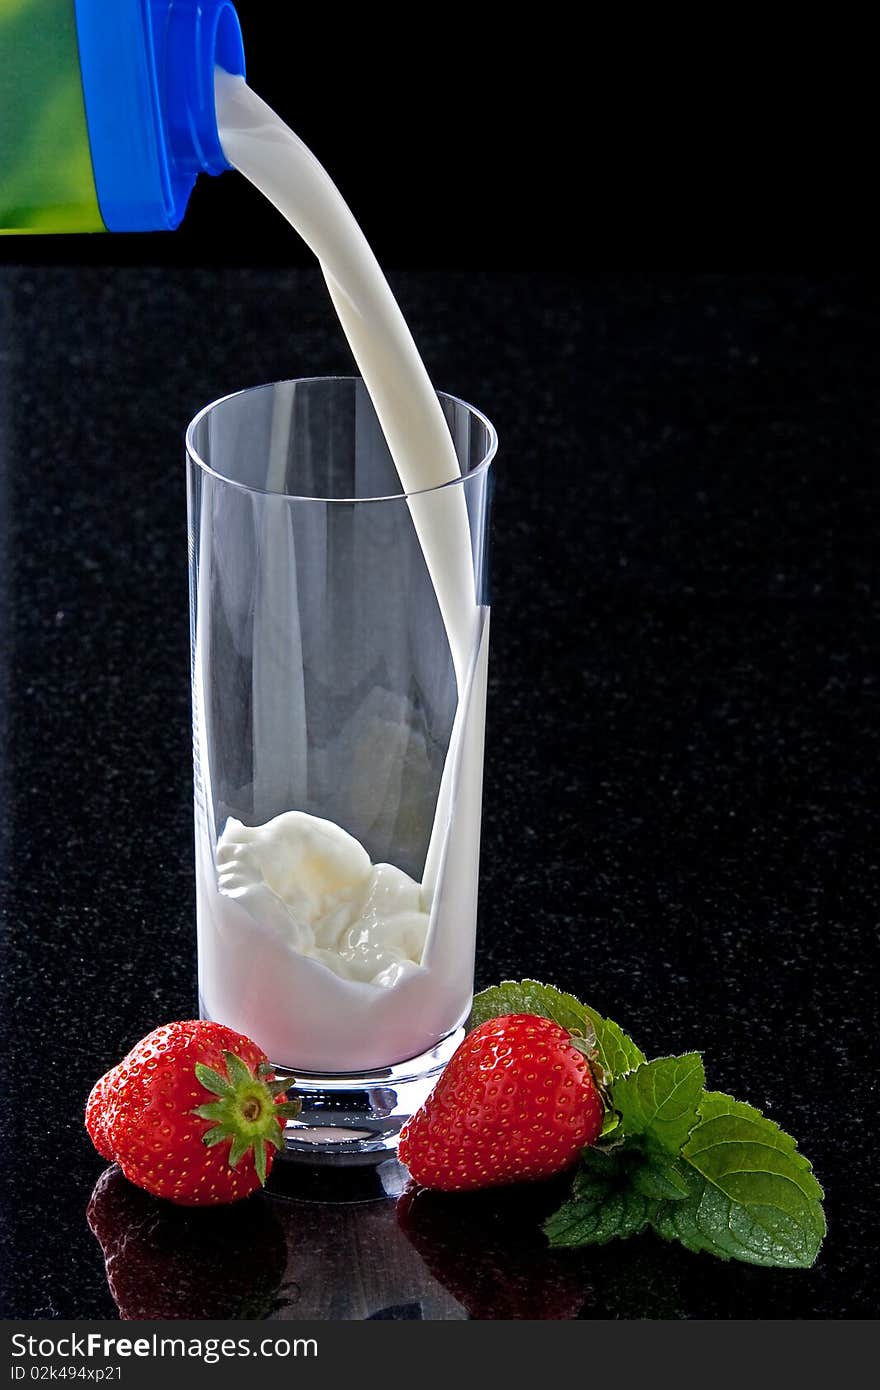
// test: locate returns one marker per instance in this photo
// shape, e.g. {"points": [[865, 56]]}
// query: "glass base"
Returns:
{"points": [[357, 1119]]}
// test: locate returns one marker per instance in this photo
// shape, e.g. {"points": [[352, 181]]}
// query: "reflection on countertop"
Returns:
{"points": [[337, 1245], [354, 1245]]}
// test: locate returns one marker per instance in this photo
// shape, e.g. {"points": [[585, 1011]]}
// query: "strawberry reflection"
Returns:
{"points": [[487, 1249], [164, 1261]]}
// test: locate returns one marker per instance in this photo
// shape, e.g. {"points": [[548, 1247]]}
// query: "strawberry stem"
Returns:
{"points": [[245, 1113]]}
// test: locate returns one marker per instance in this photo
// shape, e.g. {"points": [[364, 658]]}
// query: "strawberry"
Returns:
{"points": [[96, 1117], [517, 1102], [191, 1114]]}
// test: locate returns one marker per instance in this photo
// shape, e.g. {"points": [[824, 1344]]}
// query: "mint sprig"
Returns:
{"points": [[693, 1165]]}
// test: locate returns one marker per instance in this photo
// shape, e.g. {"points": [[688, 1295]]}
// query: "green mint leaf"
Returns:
{"points": [[660, 1180], [616, 1052], [753, 1196], [603, 1206], [528, 997], [600, 1165], [610, 1125], [595, 1221], [702, 1221], [658, 1101]]}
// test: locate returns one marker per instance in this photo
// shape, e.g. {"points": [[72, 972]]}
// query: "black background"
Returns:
{"points": [[465, 138], [680, 822]]}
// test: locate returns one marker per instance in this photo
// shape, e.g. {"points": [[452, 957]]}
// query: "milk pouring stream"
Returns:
{"points": [[333, 964]]}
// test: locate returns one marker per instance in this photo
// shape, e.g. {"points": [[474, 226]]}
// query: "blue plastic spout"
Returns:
{"points": [[148, 87]]}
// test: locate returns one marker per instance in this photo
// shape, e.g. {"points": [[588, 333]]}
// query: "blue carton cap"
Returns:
{"points": [[148, 87]]}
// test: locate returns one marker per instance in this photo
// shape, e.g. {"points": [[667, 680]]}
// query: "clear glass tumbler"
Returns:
{"points": [[339, 648]]}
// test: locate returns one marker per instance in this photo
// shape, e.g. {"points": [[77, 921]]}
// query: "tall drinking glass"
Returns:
{"points": [[339, 648]]}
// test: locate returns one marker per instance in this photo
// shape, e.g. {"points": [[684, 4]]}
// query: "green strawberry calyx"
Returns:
{"points": [[246, 1112]]}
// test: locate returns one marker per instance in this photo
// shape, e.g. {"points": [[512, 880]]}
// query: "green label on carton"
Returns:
{"points": [[46, 180]]}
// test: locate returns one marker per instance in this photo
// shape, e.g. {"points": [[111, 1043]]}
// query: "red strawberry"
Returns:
{"points": [[517, 1102], [96, 1116], [191, 1114]]}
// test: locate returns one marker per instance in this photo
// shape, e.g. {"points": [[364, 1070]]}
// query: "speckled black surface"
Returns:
{"points": [[678, 822]]}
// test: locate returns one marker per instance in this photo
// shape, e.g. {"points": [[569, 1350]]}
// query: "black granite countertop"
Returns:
{"points": [[682, 724]]}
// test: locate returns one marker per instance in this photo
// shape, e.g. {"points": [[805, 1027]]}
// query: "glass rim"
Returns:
{"points": [[195, 456]]}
